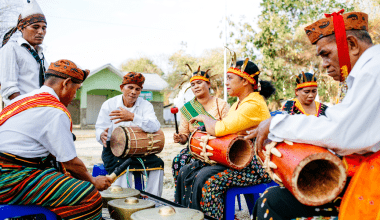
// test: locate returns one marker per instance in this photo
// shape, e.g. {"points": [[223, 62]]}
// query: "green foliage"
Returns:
{"points": [[231, 100], [141, 65], [284, 49], [210, 59]]}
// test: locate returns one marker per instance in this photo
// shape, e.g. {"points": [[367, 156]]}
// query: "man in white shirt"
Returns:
{"points": [[128, 109], [38, 160], [22, 62], [350, 128]]}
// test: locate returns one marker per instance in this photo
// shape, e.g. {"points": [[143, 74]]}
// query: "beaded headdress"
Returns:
{"points": [[304, 82], [241, 72]]}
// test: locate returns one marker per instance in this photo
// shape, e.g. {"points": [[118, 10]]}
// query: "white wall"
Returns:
{"points": [[178, 102]]}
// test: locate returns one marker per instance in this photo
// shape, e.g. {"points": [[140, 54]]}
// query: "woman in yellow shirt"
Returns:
{"points": [[201, 186]]}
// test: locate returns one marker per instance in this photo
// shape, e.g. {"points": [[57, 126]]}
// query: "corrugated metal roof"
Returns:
{"points": [[153, 82]]}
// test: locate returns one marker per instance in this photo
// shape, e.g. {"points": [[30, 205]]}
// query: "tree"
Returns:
{"points": [[210, 59], [141, 65], [372, 8], [281, 46]]}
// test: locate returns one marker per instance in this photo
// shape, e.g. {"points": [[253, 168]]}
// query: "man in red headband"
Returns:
{"points": [[38, 160], [348, 129], [22, 62], [128, 109]]}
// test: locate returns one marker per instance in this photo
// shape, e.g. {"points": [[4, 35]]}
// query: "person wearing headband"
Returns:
{"points": [[38, 160], [348, 128], [22, 62], [304, 103], [202, 104], [128, 109], [200, 185]]}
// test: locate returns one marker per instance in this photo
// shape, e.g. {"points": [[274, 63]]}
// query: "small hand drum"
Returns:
{"points": [[134, 142]]}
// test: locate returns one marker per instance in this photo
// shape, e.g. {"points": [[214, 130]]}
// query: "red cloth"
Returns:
{"points": [[362, 198]]}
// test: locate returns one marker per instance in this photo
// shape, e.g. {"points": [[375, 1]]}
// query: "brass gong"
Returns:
{"points": [[121, 209], [168, 213], [116, 192]]}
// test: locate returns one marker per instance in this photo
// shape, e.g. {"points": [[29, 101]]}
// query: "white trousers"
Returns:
{"points": [[154, 184]]}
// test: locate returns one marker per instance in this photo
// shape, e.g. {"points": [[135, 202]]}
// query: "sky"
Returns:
{"points": [[96, 32]]}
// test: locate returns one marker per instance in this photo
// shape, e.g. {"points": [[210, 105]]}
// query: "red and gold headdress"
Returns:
{"points": [[241, 72], [304, 82], [338, 23], [199, 75]]}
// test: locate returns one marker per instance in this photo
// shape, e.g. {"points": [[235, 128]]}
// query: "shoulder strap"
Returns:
{"points": [[217, 106], [39, 100], [39, 60]]}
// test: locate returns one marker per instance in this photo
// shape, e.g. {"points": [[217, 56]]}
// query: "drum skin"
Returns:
{"points": [[231, 150], [134, 142], [312, 174]]}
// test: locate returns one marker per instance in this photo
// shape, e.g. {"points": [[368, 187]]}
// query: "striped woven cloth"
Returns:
{"points": [[23, 183]]}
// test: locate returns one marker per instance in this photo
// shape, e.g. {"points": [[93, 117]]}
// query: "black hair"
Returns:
{"points": [[54, 78], [267, 89], [361, 35]]}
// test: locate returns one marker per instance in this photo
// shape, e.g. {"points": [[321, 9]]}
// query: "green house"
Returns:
{"points": [[104, 83]]}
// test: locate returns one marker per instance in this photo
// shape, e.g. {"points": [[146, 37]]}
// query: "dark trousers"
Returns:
{"points": [[277, 203]]}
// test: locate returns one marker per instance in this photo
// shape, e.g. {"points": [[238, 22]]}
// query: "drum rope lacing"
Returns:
{"points": [[204, 143], [268, 164]]}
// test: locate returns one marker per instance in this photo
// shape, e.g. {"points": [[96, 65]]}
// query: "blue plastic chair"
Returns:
{"points": [[99, 170], [248, 191], [31, 211]]}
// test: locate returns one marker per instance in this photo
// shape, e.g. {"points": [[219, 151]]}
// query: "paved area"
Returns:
{"points": [[89, 151]]}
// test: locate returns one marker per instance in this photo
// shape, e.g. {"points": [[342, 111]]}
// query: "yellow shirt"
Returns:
{"points": [[251, 111]]}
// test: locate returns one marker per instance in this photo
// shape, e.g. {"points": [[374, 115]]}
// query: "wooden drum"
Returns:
{"points": [[230, 150], [312, 174], [134, 142]]}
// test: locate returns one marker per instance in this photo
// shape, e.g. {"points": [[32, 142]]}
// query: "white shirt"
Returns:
{"points": [[19, 71], [145, 117], [349, 127], [36, 132]]}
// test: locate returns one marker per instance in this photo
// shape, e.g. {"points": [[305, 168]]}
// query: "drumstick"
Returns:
{"points": [[120, 169], [174, 111]]}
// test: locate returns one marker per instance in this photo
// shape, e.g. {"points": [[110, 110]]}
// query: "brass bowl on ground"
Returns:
{"points": [[121, 209], [168, 213], [116, 192]]}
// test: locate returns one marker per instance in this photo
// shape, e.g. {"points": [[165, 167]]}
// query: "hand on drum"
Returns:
{"points": [[260, 133], [102, 182], [122, 114], [103, 137], [180, 138]]}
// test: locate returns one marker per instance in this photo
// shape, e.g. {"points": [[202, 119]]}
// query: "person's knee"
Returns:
{"points": [[270, 197]]}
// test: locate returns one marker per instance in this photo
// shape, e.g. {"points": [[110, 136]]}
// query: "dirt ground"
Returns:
{"points": [[89, 151]]}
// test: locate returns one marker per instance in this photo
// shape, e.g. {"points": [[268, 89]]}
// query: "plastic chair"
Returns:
{"points": [[99, 170], [251, 193], [26, 212]]}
